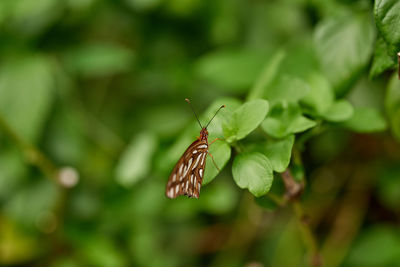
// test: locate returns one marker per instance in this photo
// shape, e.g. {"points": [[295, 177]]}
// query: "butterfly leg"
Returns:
{"points": [[216, 139], [213, 161]]}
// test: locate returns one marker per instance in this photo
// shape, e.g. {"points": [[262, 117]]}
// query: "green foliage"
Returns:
{"points": [[221, 153], [321, 96], [230, 69], [267, 76], [392, 105], [339, 111], [387, 14], [26, 93], [245, 119], [366, 120], [136, 161], [382, 59], [286, 119], [279, 152], [98, 59], [368, 249], [96, 88], [344, 45], [253, 171]]}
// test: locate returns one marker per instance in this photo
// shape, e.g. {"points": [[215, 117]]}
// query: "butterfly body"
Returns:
{"points": [[187, 176]]}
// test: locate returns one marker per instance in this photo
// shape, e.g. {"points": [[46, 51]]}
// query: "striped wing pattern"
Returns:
{"points": [[187, 175]]}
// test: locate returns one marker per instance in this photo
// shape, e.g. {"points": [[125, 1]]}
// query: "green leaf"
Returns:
{"points": [[286, 88], [382, 60], [301, 124], [253, 171], [221, 152], [216, 127], [387, 18], [267, 76], [341, 110], [26, 94], [231, 69], [321, 96], [279, 153], [99, 59], [135, 162], [392, 105], [378, 246], [286, 119], [245, 119], [365, 120], [344, 46]]}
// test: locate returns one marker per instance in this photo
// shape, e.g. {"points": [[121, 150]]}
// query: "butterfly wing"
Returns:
{"points": [[187, 175]]}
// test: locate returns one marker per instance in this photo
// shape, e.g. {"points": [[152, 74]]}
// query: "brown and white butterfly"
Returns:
{"points": [[187, 175]]}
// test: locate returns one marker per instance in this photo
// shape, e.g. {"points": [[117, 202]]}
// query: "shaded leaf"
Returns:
{"points": [[344, 46], [387, 18], [366, 120], [388, 185], [266, 202], [382, 59]]}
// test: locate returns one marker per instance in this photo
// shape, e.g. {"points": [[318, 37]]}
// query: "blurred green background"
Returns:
{"points": [[93, 118]]}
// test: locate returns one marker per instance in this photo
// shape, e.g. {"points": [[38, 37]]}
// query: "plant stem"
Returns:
{"points": [[307, 234], [280, 201], [30, 152], [345, 227], [293, 192]]}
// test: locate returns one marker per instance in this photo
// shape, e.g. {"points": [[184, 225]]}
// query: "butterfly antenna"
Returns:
{"points": [[190, 104], [215, 115]]}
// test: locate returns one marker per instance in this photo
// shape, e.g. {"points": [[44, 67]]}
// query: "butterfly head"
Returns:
{"points": [[203, 134]]}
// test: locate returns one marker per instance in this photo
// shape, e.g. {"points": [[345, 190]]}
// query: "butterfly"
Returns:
{"points": [[187, 175]]}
